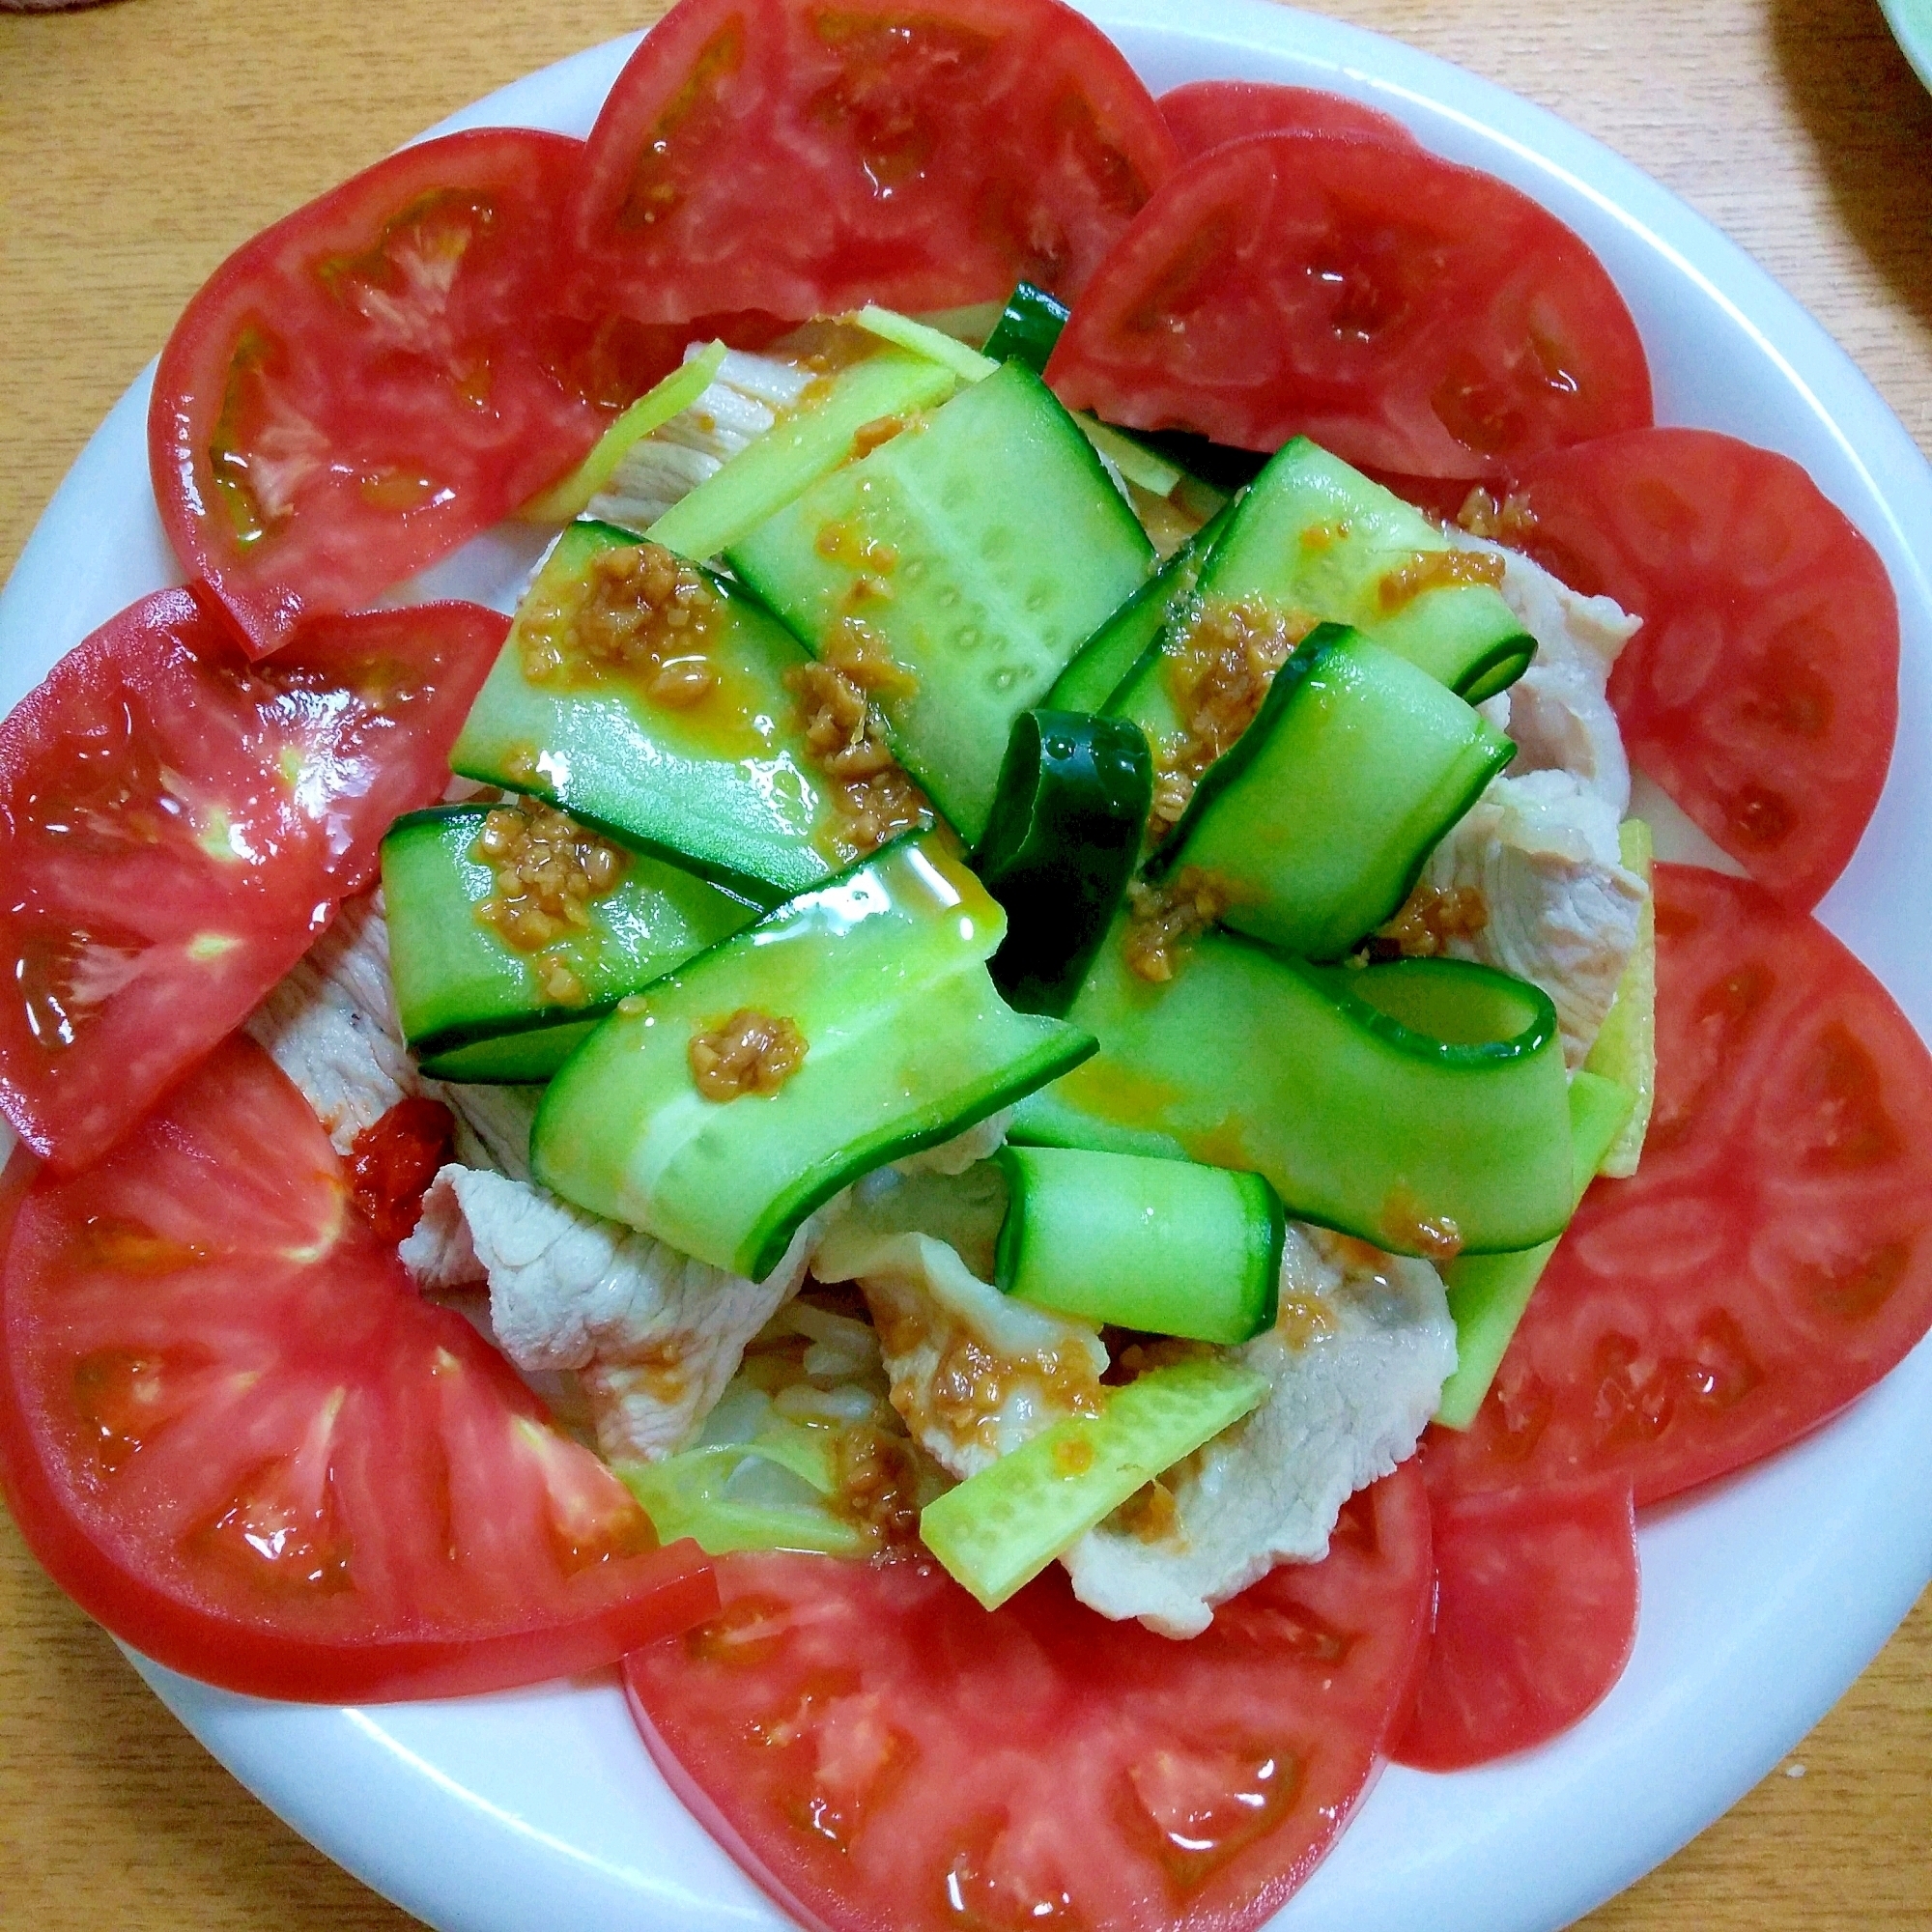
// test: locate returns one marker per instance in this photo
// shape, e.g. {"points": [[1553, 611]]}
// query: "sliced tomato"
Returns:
{"points": [[177, 825], [1404, 312], [374, 380], [234, 1432], [1209, 114], [1772, 1255], [882, 1755], [810, 155], [1762, 693], [1536, 1602]]}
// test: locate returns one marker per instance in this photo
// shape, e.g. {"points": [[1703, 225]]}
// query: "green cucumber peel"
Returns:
{"points": [[470, 1005], [655, 408], [1111, 655], [1488, 1293], [908, 1044], [1167, 1247], [978, 554], [1028, 327], [1321, 817], [1461, 634], [1000, 1528], [727, 789], [1062, 840], [1396, 1100]]}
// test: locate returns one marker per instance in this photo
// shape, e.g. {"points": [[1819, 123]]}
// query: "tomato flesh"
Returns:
{"points": [[1205, 114], [393, 1159], [1536, 1605], [234, 1432], [1762, 691], [1771, 1257], [177, 825], [880, 1753], [1408, 314], [368, 384], [807, 156]]}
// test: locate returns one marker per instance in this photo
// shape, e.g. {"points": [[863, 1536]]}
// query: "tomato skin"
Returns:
{"points": [[375, 379], [807, 156], [1408, 314], [884, 1756], [1762, 691], [1536, 1609], [175, 827], [232, 1429], [1205, 114], [1772, 1257]]}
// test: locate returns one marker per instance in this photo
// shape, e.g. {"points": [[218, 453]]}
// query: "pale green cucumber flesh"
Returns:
{"points": [[1404, 1103], [1488, 1293], [655, 408], [688, 1494], [727, 788], [1103, 661], [803, 445], [883, 973], [1624, 1050], [1166, 1246], [461, 989], [1003, 1527], [1317, 536], [1322, 816], [979, 551]]}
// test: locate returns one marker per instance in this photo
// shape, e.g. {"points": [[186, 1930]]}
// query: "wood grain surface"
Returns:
{"points": [[140, 142]]}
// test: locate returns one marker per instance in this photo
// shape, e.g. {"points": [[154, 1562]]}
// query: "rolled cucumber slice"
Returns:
{"points": [[726, 785], [1488, 1293], [881, 976], [1319, 818], [1420, 1105], [1166, 1246], [475, 1008], [813, 439], [1113, 651], [1060, 847], [969, 558], [1314, 535], [1001, 1527]]}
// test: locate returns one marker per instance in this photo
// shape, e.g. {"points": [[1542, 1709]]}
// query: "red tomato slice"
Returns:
{"points": [[1209, 114], [882, 1755], [234, 1432], [1404, 312], [1762, 693], [1536, 1603], [175, 827], [368, 384], [1772, 1255], [810, 155]]}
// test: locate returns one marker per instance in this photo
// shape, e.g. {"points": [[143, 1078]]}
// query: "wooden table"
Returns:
{"points": [[141, 142]]}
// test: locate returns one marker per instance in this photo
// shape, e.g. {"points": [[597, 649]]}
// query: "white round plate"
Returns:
{"points": [[1910, 23], [1763, 1599]]}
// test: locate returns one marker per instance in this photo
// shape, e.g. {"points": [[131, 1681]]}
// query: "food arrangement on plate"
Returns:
{"points": [[1081, 974]]}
